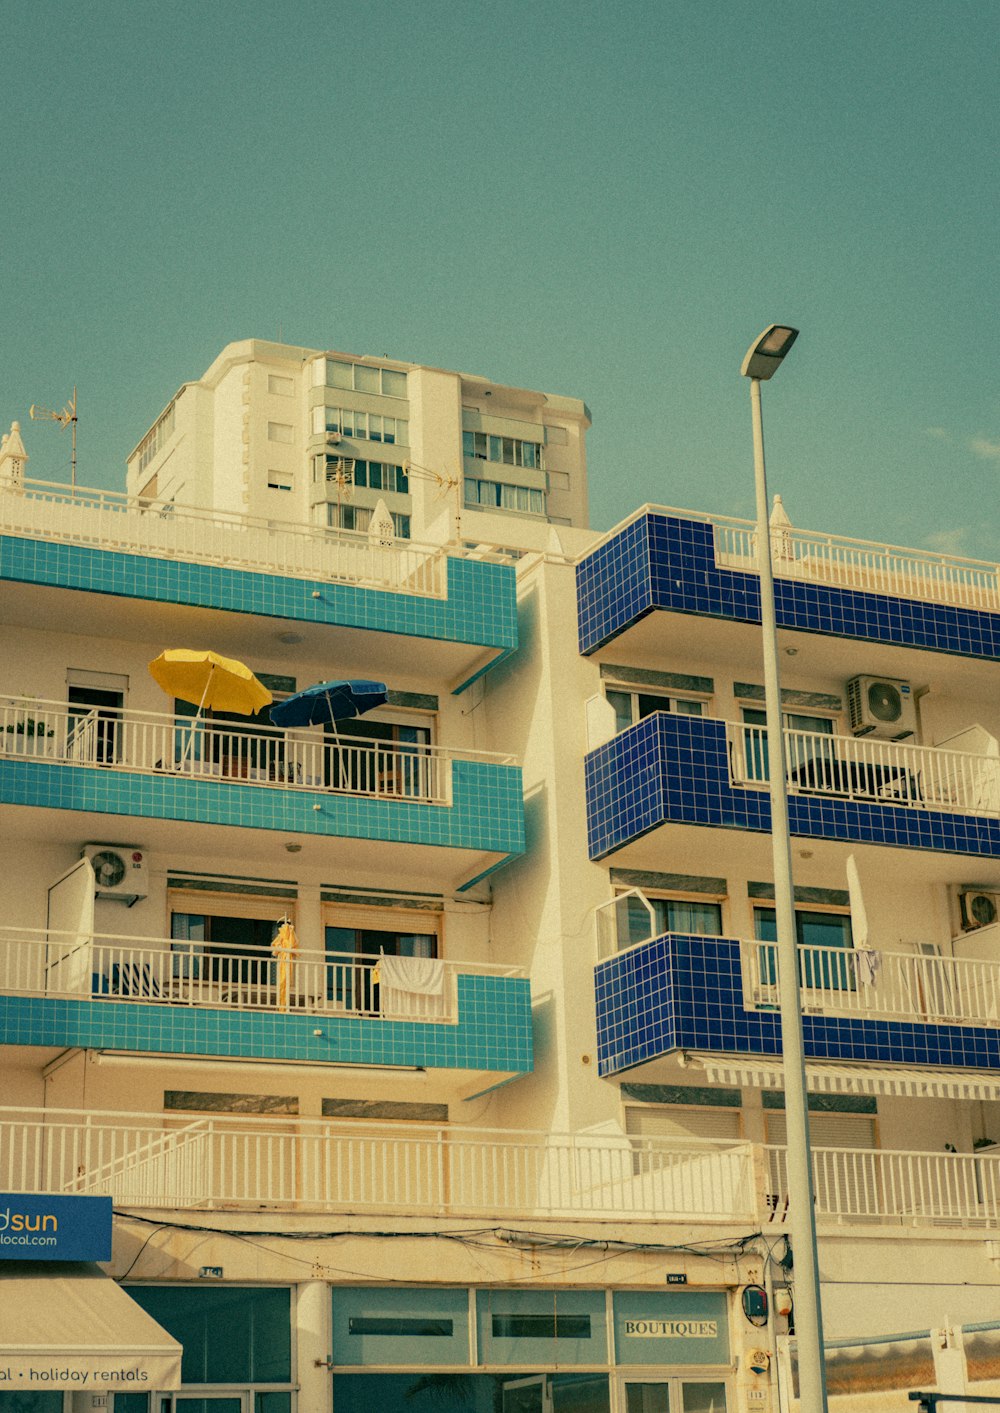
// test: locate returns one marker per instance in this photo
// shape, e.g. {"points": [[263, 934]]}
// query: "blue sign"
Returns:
{"points": [[44, 1227]]}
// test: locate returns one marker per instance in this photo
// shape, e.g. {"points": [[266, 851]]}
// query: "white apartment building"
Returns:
{"points": [[281, 433], [505, 1130]]}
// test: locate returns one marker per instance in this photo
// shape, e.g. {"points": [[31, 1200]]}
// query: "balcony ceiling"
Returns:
{"points": [[324, 650], [259, 853], [686, 642]]}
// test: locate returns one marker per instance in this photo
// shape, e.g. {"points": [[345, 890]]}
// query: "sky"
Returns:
{"points": [[607, 201]]}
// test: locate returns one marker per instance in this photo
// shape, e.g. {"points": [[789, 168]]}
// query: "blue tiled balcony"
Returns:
{"points": [[662, 560], [672, 769], [680, 992]]}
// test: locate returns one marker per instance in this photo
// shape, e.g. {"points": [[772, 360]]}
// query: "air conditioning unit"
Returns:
{"points": [[978, 908], [120, 871], [881, 706], [333, 439]]}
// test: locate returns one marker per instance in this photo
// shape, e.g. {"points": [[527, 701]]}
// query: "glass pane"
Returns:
{"points": [[704, 1398], [367, 379], [685, 707], [129, 1403], [401, 1326], [541, 1327], [272, 1403], [208, 1405], [339, 375], [393, 383], [622, 703], [256, 1322], [647, 1398], [702, 919], [30, 1401]]}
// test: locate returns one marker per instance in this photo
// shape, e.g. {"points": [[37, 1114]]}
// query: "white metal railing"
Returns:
{"points": [[862, 768], [129, 524], [861, 564], [910, 985], [881, 1185], [158, 743], [168, 972], [179, 1160]]}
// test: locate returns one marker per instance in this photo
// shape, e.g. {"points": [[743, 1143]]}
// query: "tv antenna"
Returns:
{"points": [[66, 418]]}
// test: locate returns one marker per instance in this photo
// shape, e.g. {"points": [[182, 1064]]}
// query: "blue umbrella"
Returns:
{"points": [[329, 702]]}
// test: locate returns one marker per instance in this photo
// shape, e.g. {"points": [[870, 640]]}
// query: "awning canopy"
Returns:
{"points": [[70, 1327], [825, 1078]]}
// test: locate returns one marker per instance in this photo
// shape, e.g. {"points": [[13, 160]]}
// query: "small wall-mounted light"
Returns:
{"points": [[293, 848]]}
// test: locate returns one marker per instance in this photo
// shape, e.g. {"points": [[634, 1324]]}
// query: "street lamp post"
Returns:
{"points": [[762, 362]]}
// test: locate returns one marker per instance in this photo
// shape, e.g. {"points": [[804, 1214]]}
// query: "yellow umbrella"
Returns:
{"points": [[284, 946], [208, 680]]}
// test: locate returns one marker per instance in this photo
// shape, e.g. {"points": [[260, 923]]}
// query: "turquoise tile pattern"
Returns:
{"points": [[493, 1030], [486, 813], [480, 607]]}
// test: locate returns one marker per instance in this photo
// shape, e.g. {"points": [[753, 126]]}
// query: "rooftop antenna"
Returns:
{"points": [[66, 418], [445, 482]]}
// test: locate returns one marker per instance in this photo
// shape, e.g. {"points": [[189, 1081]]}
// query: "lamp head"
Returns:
{"points": [[766, 352]]}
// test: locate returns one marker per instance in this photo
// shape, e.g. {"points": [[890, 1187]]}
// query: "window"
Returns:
{"points": [[357, 935], [280, 386], [692, 916], [280, 432], [510, 451], [96, 722], [367, 426], [801, 744], [358, 517], [231, 1334], [504, 497], [812, 929], [556, 436], [280, 481], [154, 440], [632, 706], [364, 377]]}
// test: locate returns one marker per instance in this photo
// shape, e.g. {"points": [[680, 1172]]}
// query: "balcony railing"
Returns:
{"points": [[903, 985], [879, 1185], [166, 972], [161, 744], [861, 768], [190, 1161], [158, 1160], [109, 520], [861, 564]]}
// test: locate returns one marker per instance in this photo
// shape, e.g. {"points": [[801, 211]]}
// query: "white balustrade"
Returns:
{"points": [[126, 524], [860, 564], [185, 1161], [906, 985], [884, 1186], [157, 743], [168, 972], [863, 768]]}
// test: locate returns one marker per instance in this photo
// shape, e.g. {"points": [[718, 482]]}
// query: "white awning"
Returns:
{"points": [[70, 1327], [827, 1078]]}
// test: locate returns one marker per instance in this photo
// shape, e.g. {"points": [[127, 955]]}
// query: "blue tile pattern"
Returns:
{"points": [[667, 562], [493, 1030], [486, 813], [480, 607], [675, 769], [684, 992]]}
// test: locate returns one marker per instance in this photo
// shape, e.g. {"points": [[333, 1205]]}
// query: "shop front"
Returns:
{"points": [[431, 1350]]}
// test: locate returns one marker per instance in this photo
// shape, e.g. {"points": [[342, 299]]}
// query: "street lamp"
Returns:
{"points": [[761, 363]]}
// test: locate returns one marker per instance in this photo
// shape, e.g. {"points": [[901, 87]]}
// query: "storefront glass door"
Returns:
{"points": [[676, 1396]]}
